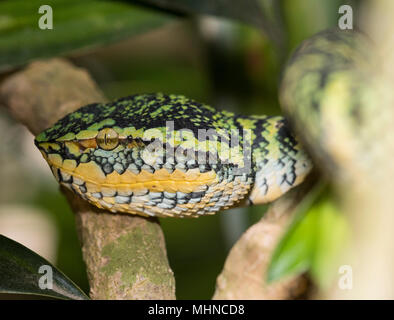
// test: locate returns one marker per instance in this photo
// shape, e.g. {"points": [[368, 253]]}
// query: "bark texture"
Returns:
{"points": [[125, 255]]}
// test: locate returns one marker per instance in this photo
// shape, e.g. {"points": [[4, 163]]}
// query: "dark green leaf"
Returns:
{"points": [[313, 241], [20, 273], [76, 25], [263, 14]]}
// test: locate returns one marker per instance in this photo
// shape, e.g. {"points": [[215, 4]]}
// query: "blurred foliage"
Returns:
{"points": [[314, 240], [298, 17], [77, 25], [69, 256], [227, 64], [262, 14], [20, 273]]}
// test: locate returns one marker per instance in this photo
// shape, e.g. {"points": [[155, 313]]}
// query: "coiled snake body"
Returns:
{"points": [[166, 155]]}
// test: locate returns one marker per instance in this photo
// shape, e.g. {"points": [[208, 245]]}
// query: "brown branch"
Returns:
{"points": [[125, 255], [244, 272]]}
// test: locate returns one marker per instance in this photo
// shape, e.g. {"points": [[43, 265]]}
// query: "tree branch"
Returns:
{"points": [[244, 272], [125, 255]]}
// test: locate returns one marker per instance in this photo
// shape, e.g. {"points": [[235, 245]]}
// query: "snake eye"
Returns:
{"points": [[107, 139]]}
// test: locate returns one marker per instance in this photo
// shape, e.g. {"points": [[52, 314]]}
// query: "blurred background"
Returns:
{"points": [[226, 64]]}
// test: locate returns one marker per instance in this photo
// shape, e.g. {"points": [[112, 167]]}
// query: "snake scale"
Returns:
{"points": [[167, 155]]}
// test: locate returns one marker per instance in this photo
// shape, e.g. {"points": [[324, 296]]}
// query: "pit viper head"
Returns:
{"points": [[167, 155]]}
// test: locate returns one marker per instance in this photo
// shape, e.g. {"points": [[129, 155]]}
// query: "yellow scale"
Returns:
{"points": [[159, 181]]}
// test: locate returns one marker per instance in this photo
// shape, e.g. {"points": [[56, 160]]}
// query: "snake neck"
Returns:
{"points": [[278, 161]]}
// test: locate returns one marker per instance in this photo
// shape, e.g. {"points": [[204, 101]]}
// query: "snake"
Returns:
{"points": [[171, 156], [168, 155], [327, 93]]}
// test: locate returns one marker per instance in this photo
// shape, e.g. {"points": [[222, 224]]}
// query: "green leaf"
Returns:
{"points": [[76, 25], [263, 14], [20, 273], [293, 254], [313, 242], [332, 239]]}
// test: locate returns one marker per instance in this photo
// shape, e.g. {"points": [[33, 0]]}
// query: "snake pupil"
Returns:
{"points": [[107, 139]]}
